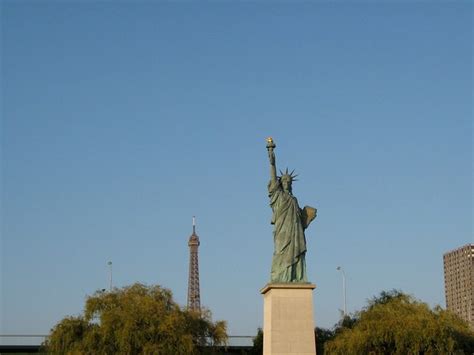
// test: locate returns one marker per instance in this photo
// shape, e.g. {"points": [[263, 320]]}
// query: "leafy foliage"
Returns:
{"points": [[322, 335], [395, 323], [257, 348], [137, 319]]}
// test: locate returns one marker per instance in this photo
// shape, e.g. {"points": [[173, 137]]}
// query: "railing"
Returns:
{"points": [[240, 340], [36, 340], [22, 339]]}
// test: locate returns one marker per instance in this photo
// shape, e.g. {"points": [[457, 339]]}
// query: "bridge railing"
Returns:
{"points": [[240, 340], [22, 339], [37, 339]]}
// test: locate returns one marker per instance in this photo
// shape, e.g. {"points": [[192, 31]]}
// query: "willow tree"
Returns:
{"points": [[395, 323], [137, 319]]}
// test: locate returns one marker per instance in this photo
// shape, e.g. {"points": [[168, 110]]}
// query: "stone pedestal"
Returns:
{"points": [[288, 325]]}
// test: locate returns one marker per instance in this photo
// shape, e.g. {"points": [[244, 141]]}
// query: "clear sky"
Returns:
{"points": [[122, 120]]}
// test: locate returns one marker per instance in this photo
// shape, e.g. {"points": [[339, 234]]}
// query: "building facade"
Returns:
{"points": [[459, 282]]}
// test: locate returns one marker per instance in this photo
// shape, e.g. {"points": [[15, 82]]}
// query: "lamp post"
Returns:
{"points": [[343, 288], [110, 274]]}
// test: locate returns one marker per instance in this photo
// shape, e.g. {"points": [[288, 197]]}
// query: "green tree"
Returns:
{"points": [[257, 348], [347, 322], [322, 335], [137, 319], [395, 323]]}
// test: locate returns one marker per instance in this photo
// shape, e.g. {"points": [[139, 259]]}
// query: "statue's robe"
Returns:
{"points": [[289, 220]]}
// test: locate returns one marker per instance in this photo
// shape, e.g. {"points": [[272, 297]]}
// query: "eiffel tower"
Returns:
{"points": [[194, 297]]}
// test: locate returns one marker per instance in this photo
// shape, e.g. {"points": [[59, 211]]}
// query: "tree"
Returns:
{"points": [[257, 348], [396, 323], [137, 319], [322, 336]]}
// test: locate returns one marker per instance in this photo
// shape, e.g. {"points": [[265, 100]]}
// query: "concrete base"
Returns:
{"points": [[288, 325]]}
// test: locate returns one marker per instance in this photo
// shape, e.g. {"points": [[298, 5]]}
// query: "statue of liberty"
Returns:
{"points": [[290, 222]]}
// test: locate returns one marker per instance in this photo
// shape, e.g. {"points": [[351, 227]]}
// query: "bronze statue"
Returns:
{"points": [[290, 222]]}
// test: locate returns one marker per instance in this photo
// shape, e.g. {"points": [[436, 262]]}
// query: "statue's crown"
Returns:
{"points": [[287, 175]]}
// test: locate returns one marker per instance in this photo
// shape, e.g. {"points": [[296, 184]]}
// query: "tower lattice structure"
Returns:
{"points": [[194, 297]]}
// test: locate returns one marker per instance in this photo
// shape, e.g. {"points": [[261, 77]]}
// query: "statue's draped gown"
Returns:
{"points": [[288, 263]]}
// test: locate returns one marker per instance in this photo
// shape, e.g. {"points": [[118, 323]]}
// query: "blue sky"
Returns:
{"points": [[120, 121]]}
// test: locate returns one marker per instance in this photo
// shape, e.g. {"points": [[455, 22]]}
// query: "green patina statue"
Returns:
{"points": [[290, 222]]}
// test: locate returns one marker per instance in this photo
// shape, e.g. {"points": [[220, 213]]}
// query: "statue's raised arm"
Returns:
{"points": [[271, 156]]}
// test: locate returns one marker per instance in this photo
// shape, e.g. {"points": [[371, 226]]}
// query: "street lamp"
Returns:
{"points": [[110, 270], [343, 288]]}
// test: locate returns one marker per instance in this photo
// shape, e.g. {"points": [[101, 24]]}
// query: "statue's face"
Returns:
{"points": [[286, 184]]}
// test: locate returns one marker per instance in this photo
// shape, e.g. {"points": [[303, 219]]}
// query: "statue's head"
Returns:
{"points": [[286, 180]]}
